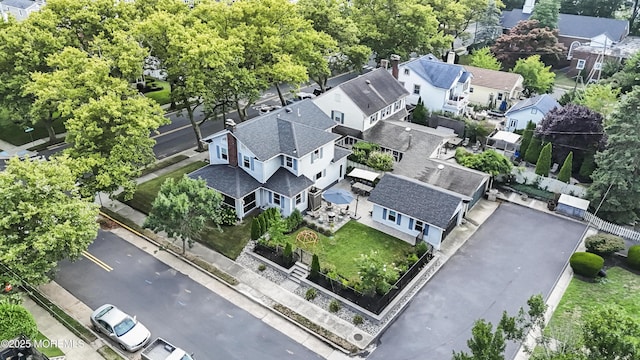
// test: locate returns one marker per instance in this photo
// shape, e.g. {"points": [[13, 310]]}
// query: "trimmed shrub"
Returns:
{"points": [[357, 319], [310, 294], [262, 267], [228, 216], [15, 321], [315, 266], [586, 264], [543, 165], [533, 150], [421, 248], [334, 306], [633, 257], [287, 254], [255, 229], [587, 167], [294, 220], [565, 171], [380, 160], [604, 244], [263, 224], [527, 134]]}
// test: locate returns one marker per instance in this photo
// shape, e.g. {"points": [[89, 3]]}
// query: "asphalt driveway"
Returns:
{"points": [[518, 252]]}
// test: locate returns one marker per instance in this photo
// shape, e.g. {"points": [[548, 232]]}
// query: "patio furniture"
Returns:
{"points": [[344, 212], [320, 219], [331, 216], [361, 189]]}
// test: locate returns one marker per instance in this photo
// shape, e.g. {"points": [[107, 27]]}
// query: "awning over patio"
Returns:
{"points": [[364, 174]]}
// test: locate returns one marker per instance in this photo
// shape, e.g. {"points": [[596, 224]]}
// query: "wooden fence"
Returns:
{"points": [[614, 229]]}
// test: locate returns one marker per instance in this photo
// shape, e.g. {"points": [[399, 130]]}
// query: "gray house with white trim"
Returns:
{"points": [[415, 208], [273, 160]]}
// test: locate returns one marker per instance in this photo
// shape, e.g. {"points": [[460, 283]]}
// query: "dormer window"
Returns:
{"points": [[288, 161], [406, 71], [373, 118]]}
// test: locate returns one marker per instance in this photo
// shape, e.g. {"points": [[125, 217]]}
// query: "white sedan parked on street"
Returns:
{"points": [[125, 330]]}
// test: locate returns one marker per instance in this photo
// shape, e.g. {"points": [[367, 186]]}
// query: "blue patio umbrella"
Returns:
{"points": [[338, 196]]}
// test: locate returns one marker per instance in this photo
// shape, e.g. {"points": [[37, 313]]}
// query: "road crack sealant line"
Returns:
{"points": [[274, 308], [231, 281]]}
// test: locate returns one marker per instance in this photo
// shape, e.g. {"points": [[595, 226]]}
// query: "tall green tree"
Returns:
{"points": [[109, 138], [484, 343], [525, 39], [628, 77], [547, 13], [419, 115], [543, 165], [44, 218], [399, 27], [587, 167], [483, 58], [375, 275], [611, 334], [527, 134], [533, 150], [600, 98], [565, 171], [333, 17], [605, 9], [488, 161], [455, 16], [488, 27], [616, 174], [183, 208], [538, 78]]}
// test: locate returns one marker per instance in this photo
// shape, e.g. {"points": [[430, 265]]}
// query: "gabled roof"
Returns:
{"points": [[285, 183], [451, 177], [339, 153], [493, 79], [20, 4], [231, 181], [544, 103], [373, 91], [437, 73], [415, 199], [578, 26], [295, 130]]}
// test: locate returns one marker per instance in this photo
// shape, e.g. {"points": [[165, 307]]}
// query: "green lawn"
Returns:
{"points": [[620, 287], [229, 242], [163, 164], [563, 80], [349, 242], [50, 351], [161, 96], [14, 134]]}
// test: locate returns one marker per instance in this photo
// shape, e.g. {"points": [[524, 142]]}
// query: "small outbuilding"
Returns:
{"points": [[572, 206]]}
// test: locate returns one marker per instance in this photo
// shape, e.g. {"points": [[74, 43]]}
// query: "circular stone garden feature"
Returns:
{"points": [[307, 237]]}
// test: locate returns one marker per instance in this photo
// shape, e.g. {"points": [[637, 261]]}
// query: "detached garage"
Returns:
{"points": [[572, 206]]}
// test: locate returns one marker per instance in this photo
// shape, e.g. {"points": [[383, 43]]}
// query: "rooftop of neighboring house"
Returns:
{"points": [[439, 74], [416, 199], [19, 4], [295, 130], [624, 49], [544, 103], [417, 146], [373, 91], [229, 180], [494, 79], [577, 26]]}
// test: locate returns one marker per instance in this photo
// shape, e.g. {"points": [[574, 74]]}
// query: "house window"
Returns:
{"points": [[317, 154], [246, 162], [397, 105], [276, 199], [416, 89], [406, 71], [319, 175], [386, 111], [373, 118], [298, 199], [418, 226], [471, 89], [391, 216], [500, 95], [224, 153], [534, 111], [288, 161], [337, 116], [512, 124]]}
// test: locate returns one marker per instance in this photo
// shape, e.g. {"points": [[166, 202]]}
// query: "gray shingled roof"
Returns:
{"points": [[285, 183], [374, 91], [439, 74], [451, 177], [339, 153], [415, 199], [20, 4], [544, 103], [231, 181], [295, 131], [575, 25], [389, 135]]}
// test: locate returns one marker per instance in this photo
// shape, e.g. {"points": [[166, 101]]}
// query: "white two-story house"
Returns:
{"points": [[360, 103], [442, 86], [19, 9], [273, 160]]}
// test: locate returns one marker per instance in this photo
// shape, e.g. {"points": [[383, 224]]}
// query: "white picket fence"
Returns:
{"points": [[614, 229]]}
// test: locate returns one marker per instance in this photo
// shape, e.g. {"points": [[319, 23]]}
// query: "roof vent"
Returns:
{"points": [[288, 109], [440, 167], [368, 82]]}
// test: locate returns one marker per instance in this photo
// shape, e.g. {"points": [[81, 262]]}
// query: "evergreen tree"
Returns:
{"points": [[255, 229], [565, 172], [587, 167], [526, 138], [488, 24], [263, 224], [544, 161], [533, 150], [547, 13], [315, 266], [287, 255], [617, 172], [419, 115]]}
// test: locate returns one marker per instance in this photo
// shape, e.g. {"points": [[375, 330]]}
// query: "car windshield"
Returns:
{"points": [[124, 326]]}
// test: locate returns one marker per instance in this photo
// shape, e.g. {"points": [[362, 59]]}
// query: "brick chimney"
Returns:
{"points": [[232, 142], [395, 60]]}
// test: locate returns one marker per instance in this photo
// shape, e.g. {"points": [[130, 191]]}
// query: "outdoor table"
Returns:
{"points": [[361, 188]]}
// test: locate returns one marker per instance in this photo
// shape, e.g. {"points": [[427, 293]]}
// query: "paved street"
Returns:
{"points": [[516, 253], [172, 305]]}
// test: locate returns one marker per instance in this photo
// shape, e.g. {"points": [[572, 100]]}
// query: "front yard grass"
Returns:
{"points": [[229, 242], [620, 287], [51, 350], [162, 96], [351, 240], [563, 80], [14, 133]]}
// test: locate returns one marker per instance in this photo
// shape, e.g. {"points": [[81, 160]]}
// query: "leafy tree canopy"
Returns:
{"points": [[488, 26], [15, 321], [597, 8], [483, 58], [601, 98], [538, 78], [44, 218], [547, 13], [525, 39], [488, 161], [628, 77]]}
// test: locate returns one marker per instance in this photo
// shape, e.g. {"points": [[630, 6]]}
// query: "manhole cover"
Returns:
{"points": [[358, 337]]}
